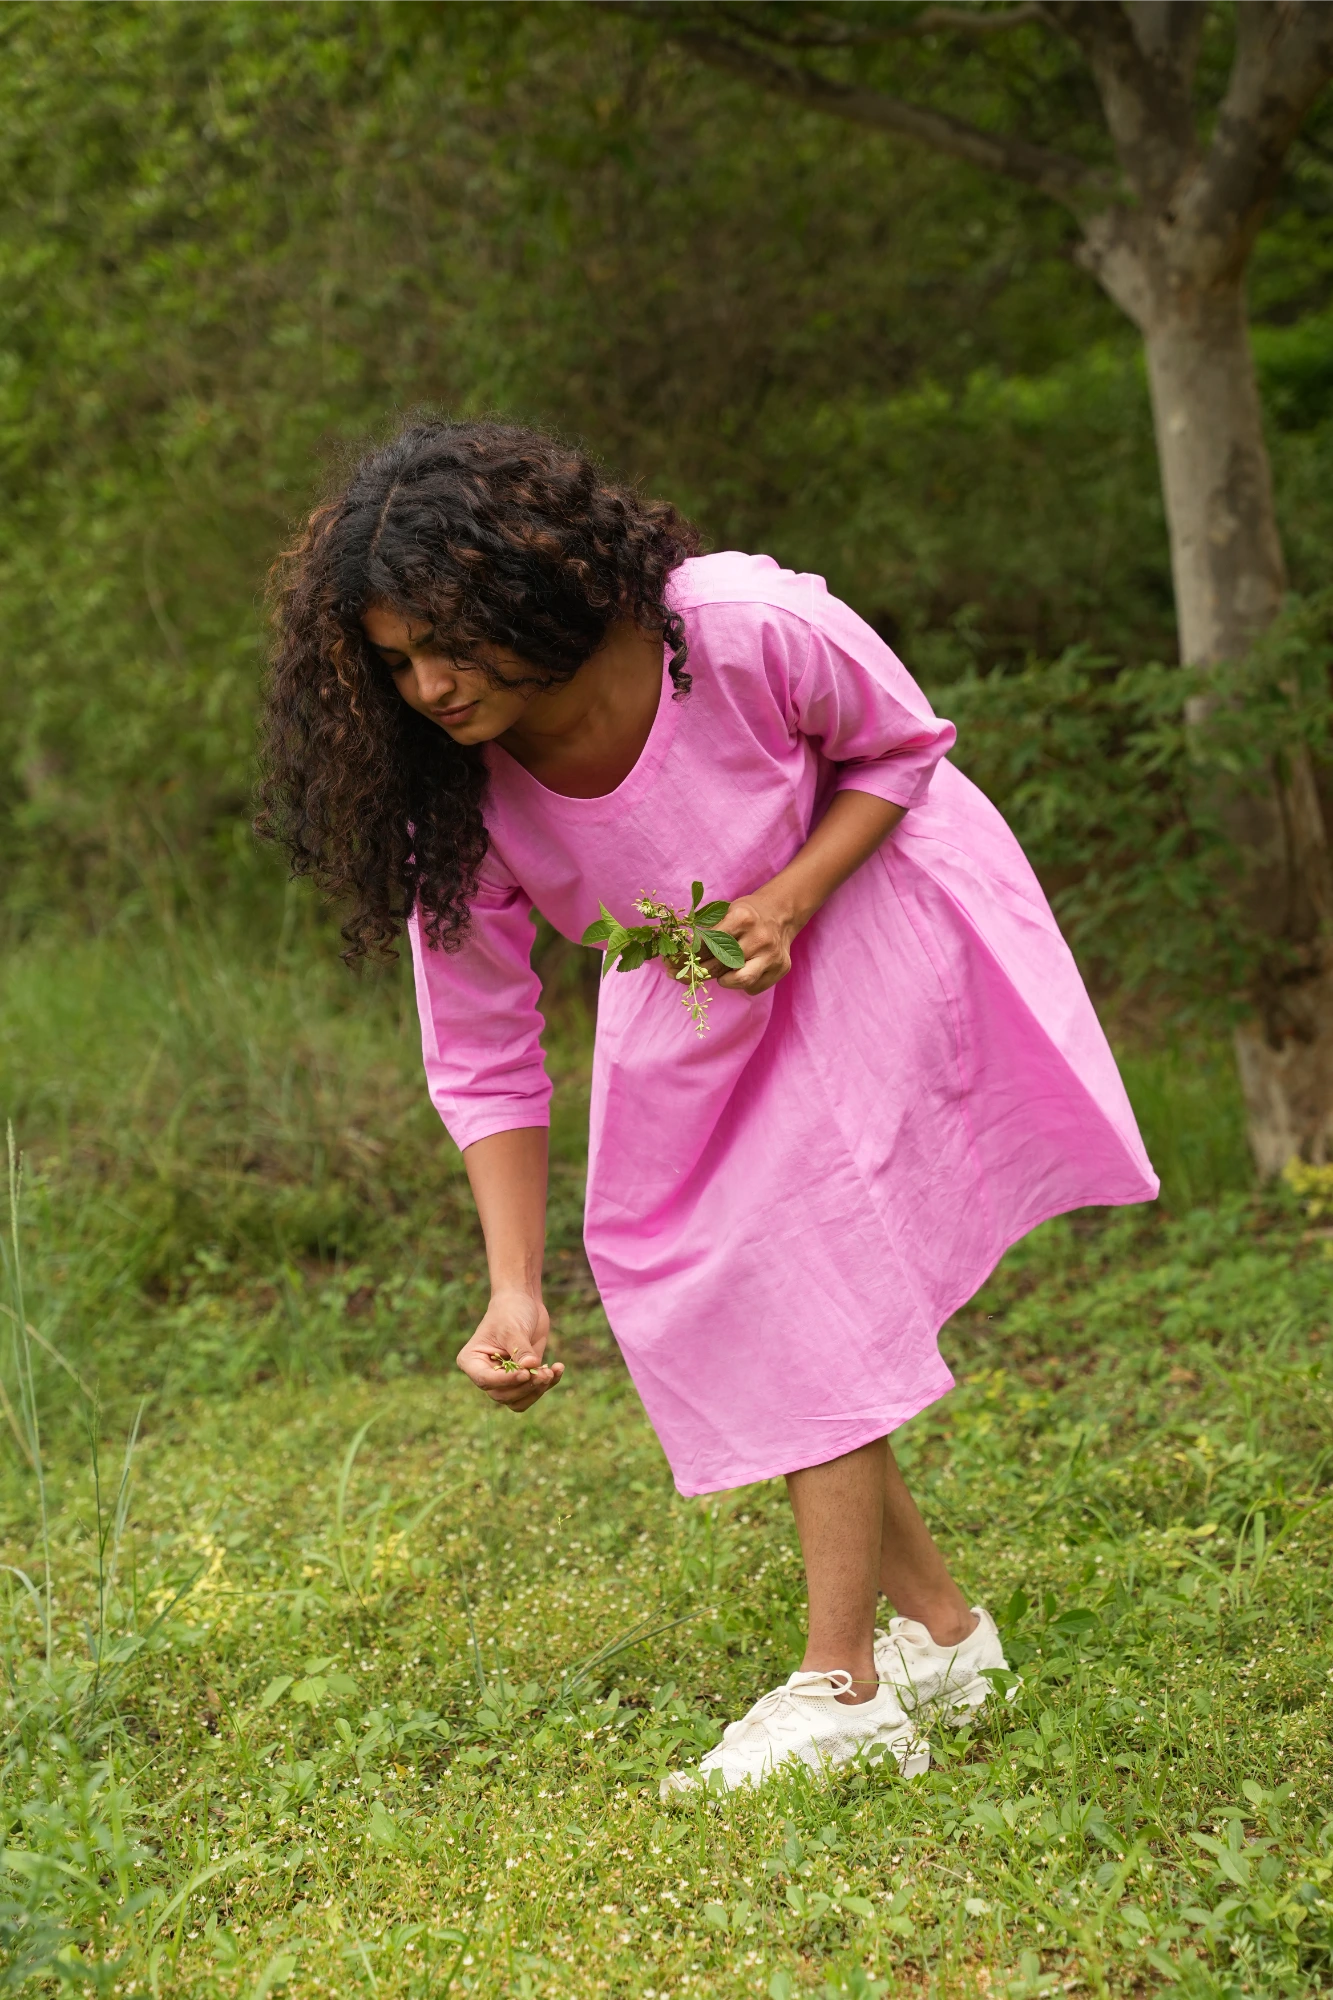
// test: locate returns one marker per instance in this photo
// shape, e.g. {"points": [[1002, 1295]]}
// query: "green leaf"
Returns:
{"points": [[725, 949], [634, 954], [383, 1828], [275, 1690], [604, 927], [696, 894], [617, 939], [714, 1915], [711, 913]]}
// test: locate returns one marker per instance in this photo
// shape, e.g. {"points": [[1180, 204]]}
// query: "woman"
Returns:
{"points": [[500, 682]]}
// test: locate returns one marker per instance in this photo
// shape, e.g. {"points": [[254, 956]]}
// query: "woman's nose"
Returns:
{"points": [[436, 679]]}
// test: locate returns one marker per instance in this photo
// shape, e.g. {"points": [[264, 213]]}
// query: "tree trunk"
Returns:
{"points": [[1226, 561]]}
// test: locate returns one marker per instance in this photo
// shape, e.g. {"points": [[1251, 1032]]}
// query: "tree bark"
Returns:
{"points": [[1226, 558], [1229, 577]]}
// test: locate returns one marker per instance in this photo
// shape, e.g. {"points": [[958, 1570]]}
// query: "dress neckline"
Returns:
{"points": [[641, 772]]}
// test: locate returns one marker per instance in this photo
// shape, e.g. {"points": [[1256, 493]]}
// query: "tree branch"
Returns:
{"points": [[1063, 178], [1284, 59], [1142, 76], [928, 21], [1170, 31]]}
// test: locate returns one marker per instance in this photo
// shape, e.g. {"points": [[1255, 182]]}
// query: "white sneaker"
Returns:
{"points": [[926, 1677], [804, 1721]]}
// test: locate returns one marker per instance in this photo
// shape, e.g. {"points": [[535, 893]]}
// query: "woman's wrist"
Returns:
{"points": [[782, 902], [523, 1286], [854, 826]]}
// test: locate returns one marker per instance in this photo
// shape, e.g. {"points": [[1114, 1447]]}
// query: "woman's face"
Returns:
{"points": [[456, 695]]}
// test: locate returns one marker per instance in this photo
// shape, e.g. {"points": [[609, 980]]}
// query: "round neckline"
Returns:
{"points": [[640, 772]]}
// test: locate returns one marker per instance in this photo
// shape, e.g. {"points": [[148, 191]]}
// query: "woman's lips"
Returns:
{"points": [[453, 715]]}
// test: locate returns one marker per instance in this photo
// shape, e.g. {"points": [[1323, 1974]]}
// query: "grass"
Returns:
{"points": [[357, 1687]]}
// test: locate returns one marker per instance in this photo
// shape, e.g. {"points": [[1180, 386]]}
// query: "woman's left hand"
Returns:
{"points": [[764, 934], [764, 924]]}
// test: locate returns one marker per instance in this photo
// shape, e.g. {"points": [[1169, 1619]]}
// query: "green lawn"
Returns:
{"points": [[357, 1687]]}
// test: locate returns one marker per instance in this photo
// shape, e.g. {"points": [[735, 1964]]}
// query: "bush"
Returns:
{"points": [[1122, 804]]}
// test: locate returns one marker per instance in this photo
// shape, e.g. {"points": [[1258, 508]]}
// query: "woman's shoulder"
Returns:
{"points": [[731, 597], [731, 577]]}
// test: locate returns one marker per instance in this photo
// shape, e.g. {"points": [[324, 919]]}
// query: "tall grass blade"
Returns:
{"points": [[27, 1385], [197, 1881], [477, 1666], [340, 1507], [12, 1419], [50, 1347], [123, 1495], [582, 1670]]}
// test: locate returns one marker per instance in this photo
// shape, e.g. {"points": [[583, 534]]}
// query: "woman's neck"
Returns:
{"points": [[585, 737]]}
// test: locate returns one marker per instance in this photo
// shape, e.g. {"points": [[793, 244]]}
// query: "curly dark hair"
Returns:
{"points": [[495, 535]]}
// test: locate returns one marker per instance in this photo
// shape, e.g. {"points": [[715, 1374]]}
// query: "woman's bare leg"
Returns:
{"points": [[912, 1572], [861, 1533], [839, 1509]]}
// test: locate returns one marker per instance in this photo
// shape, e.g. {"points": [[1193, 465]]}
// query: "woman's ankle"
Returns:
{"points": [[948, 1618], [865, 1681], [952, 1628]]}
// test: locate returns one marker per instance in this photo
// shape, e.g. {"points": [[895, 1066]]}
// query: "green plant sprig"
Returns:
{"points": [[684, 942]]}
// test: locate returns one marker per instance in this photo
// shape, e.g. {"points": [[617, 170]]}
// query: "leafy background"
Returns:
{"points": [[317, 1678], [237, 239]]}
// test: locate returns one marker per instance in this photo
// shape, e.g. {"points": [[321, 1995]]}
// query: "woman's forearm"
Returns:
{"points": [[508, 1176], [855, 824]]}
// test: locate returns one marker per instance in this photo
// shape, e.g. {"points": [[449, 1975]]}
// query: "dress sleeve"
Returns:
{"points": [[857, 701], [480, 1025]]}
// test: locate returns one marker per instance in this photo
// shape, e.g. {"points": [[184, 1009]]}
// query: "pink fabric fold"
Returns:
{"points": [[782, 1214]]}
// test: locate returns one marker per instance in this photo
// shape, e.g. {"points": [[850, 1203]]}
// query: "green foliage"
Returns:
{"points": [[685, 944], [1188, 1106], [235, 238], [1115, 795]]}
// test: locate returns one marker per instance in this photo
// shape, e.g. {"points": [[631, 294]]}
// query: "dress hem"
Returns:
{"points": [[871, 1428]]}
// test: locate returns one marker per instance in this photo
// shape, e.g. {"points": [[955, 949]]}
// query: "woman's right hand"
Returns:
{"points": [[516, 1329]]}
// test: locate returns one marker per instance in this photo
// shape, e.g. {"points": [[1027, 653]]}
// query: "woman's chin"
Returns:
{"points": [[472, 729]]}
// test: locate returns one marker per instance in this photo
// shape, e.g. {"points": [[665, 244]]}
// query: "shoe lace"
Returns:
{"points": [[824, 1687]]}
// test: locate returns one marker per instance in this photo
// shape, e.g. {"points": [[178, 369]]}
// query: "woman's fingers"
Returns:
{"points": [[765, 943], [504, 1360], [763, 968], [524, 1398]]}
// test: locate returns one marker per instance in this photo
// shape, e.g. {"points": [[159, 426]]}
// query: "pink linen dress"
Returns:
{"points": [[782, 1213]]}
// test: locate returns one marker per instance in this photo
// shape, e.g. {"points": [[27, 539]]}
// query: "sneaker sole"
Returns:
{"points": [[912, 1763], [952, 1700]]}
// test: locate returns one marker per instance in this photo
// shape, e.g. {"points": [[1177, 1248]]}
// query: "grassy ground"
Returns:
{"points": [[353, 1686]]}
